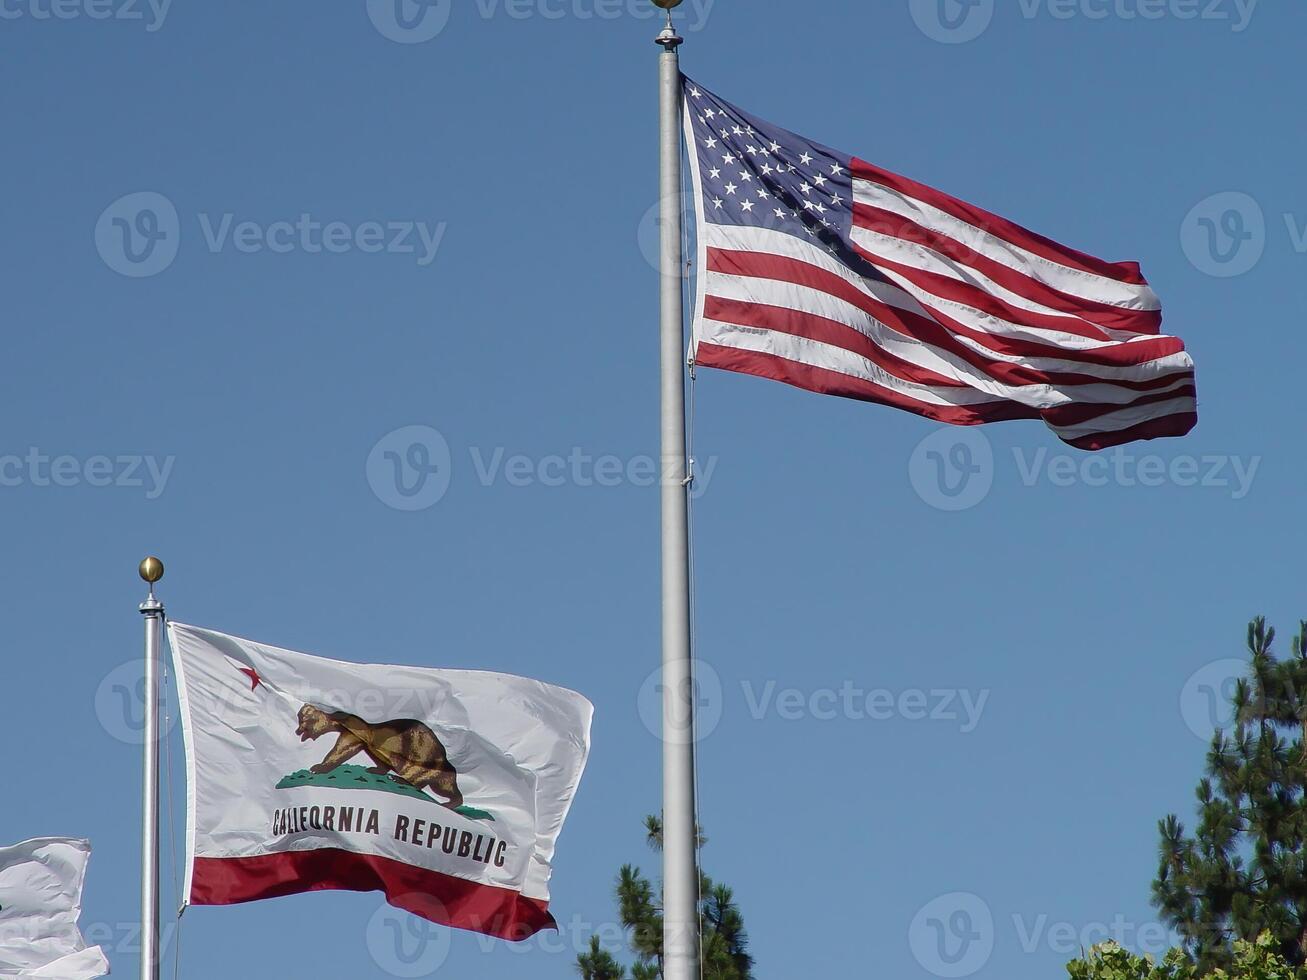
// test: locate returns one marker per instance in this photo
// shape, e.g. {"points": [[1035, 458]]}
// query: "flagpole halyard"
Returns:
{"points": [[151, 571], [681, 946]]}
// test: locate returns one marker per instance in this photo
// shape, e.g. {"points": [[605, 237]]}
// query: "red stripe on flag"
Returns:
{"points": [[828, 382], [1078, 413], [1105, 315], [1168, 427], [437, 897], [912, 325], [937, 286], [825, 331], [1127, 272]]}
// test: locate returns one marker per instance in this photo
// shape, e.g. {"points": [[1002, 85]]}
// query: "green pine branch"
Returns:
{"points": [[1242, 874], [639, 908]]}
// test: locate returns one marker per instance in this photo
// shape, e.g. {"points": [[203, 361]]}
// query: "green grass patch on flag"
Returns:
{"points": [[357, 777]]}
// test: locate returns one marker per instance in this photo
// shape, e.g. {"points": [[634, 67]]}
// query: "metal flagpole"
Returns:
{"points": [[681, 955], [151, 571]]}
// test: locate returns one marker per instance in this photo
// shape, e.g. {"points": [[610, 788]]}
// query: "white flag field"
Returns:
{"points": [[444, 789], [40, 901]]}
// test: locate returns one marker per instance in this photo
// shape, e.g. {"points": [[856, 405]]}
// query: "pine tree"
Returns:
{"points": [[599, 964], [1244, 871], [725, 942]]}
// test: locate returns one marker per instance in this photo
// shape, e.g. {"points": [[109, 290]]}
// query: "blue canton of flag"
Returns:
{"points": [[753, 173]]}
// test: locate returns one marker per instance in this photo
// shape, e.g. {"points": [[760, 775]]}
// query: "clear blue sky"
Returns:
{"points": [[1078, 605]]}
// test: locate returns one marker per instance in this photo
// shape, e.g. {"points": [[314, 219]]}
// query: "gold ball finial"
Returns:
{"points": [[667, 4], [151, 569]]}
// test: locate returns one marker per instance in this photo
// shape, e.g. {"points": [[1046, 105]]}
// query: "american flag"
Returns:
{"points": [[831, 274]]}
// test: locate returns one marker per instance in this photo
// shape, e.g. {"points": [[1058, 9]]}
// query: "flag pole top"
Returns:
{"points": [[150, 570], [669, 39]]}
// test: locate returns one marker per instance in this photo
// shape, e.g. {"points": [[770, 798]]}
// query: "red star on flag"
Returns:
{"points": [[253, 675]]}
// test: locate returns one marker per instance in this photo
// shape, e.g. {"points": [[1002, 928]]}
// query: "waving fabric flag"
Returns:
{"points": [[824, 271], [444, 789], [40, 901]]}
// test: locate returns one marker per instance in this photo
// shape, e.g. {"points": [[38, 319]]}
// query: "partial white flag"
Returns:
{"points": [[445, 790], [40, 901]]}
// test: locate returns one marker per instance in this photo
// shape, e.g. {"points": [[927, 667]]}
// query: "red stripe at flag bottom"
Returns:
{"points": [[436, 897]]}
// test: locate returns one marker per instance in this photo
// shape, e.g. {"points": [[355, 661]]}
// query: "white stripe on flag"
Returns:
{"points": [[746, 239], [1073, 282]]}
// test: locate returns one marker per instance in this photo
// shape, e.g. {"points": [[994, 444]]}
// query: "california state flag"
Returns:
{"points": [[444, 789]]}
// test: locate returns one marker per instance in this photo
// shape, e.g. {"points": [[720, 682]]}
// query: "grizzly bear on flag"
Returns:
{"points": [[406, 747]]}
